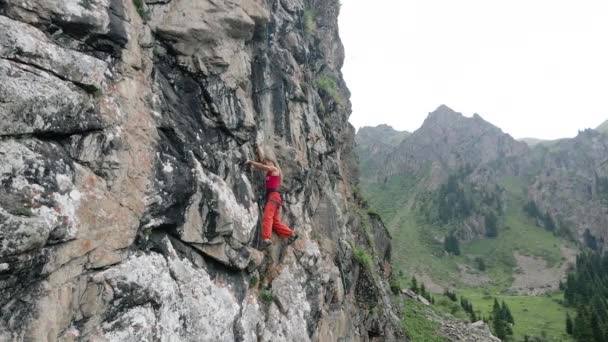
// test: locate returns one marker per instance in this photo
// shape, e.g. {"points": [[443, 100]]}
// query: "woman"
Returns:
{"points": [[272, 208]]}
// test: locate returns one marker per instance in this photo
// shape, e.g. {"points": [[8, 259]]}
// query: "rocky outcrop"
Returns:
{"points": [[381, 134], [450, 328], [531, 142], [373, 145], [465, 332], [126, 210], [570, 187]]}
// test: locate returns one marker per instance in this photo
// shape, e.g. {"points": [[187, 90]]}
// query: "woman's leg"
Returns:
{"points": [[270, 210], [280, 227]]}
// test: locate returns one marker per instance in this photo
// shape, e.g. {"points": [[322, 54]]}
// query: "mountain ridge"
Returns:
{"points": [[473, 210], [603, 127], [448, 142]]}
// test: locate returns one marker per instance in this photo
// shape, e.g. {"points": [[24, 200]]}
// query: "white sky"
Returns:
{"points": [[535, 68]]}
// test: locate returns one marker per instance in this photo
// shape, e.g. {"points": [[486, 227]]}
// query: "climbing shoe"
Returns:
{"points": [[265, 244], [292, 238]]}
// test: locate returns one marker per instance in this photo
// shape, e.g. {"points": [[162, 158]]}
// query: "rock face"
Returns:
{"points": [[126, 210], [570, 186], [374, 144]]}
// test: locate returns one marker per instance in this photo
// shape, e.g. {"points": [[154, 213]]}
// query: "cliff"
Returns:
{"points": [[126, 210]]}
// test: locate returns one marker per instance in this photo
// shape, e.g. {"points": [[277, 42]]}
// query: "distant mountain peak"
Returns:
{"points": [[445, 117], [532, 141], [443, 112], [381, 127], [603, 127], [444, 108], [385, 126], [383, 133]]}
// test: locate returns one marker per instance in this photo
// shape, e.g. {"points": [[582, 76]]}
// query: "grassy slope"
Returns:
{"points": [[416, 251], [518, 234], [533, 315], [414, 248], [419, 328]]}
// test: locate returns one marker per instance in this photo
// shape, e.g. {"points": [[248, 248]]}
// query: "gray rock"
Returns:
{"points": [[231, 217], [25, 44], [190, 304], [37, 102], [91, 16], [573, 186], [40, 202]]}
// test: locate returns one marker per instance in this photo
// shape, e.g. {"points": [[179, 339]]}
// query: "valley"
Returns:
{"points": [[477, 187]]}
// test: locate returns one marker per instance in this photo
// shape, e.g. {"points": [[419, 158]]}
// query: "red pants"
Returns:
{"points": [[271, 219]]}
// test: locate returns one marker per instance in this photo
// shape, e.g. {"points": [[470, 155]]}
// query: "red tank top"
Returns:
{"points": [[272, 182]]}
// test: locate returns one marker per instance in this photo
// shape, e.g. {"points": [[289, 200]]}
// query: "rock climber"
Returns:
{"points": [[272, 207]]}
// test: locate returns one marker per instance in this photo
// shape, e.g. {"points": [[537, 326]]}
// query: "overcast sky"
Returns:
{"points": [[535, 68]]}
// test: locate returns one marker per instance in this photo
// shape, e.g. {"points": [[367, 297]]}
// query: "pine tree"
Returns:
{"points": [[496, 308], [491, 223], [414, 285], [506, 313], [569, 325], [582, 326], [481, 265], [451, 295], [586, 289], [549, 222], [423, 290], [502, 320], [532, 210], [590, 240], [452, 245], [499, 328]]}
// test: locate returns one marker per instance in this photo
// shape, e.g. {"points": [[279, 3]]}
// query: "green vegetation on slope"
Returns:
{"points": [[518, 234], [417, 325], [309, 21], [362, 257], [418, 249], [328, 85], [391, 197], [587, 290], [139, 6], [534, 315]]}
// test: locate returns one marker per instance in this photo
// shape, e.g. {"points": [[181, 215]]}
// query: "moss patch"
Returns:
{"points": [[362, 257]]}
